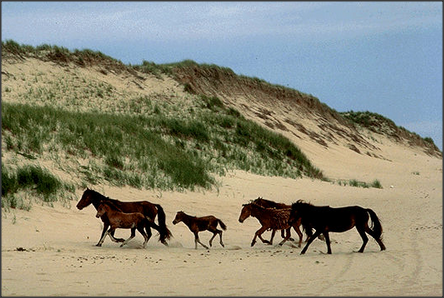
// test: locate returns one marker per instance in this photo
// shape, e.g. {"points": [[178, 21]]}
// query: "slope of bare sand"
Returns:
{"points": [[61, 259]]}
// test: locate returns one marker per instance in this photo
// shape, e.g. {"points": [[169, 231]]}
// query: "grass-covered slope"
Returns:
{"points": [[98, 131], [382, 125], [154, 149]]}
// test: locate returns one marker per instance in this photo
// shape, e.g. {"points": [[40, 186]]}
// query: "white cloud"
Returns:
{"points": [[214, 20]]}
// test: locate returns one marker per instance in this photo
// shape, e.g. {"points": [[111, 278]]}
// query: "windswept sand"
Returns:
{"points": [[61, 258]]}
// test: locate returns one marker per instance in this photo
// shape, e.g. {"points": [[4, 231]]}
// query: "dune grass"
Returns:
{"points": [[155, 149], [30, 178]]}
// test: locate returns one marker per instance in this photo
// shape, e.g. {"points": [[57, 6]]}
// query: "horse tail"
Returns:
{"points": [[164, 232], [222, 225], [376, 224]]}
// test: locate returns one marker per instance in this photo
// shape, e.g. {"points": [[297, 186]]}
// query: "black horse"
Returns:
{"points": [[327, 219], [146, 208]]}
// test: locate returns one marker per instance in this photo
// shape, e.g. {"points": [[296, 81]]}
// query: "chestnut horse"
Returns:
{"points": [[146, 208], [120, 220], [327, 219], [197, 224], [270, 218], [271, 204]]}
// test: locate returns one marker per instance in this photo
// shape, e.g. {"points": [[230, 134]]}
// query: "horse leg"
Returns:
{"points": [[378, 239], [286, 237], [298, 231], [327, 240], [102, 237], [133, 234], [148, 224], [148, 232], [310, 240], [114, 239], [258, 234], [211, 240], [272, 236], [283, 236], [364, 237], [196, 240], [220, 236], [308, 232], [145, 236], [159, 229], [111, 235]]}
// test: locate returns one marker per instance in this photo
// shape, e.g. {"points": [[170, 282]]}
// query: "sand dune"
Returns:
{"points": [[50, 251]]}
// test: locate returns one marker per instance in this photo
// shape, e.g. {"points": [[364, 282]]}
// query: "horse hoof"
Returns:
{"points": [[98, 245]]}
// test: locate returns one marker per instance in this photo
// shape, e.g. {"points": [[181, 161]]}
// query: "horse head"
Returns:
{"points": [[179, 217], [296, 212], [245, 212], [101, 209], [86, 199]]}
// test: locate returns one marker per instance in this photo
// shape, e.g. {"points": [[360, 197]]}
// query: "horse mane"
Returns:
{"points": [[104, 198], [253, 203], [301, 203], [96, 193], [262, 199], [273, 209]]}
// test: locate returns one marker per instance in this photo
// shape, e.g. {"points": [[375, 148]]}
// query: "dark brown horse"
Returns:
{"points": [[146, 208], [327, 219], [198, 224], [121, 220], [271, 204], [270, 218]]}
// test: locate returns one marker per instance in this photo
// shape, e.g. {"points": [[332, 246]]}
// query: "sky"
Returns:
{"points": [[382, 57]]}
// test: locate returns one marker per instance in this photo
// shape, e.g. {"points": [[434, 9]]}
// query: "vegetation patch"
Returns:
{"points": [[30, 178], [382, 125], [155, 149], [356, 183]]}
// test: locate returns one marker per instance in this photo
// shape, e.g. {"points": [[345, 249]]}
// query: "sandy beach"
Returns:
{"points": [[51, 250]]}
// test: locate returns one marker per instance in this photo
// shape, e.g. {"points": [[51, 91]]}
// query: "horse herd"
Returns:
{"points": [[272, 216]]}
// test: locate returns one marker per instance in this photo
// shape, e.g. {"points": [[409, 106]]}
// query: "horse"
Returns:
{"points": [[118, 219], [146, 208], [270, 218], [271, 204], [326, 219], [198, 224]]}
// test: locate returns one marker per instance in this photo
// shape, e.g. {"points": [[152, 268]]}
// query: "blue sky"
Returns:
{"points": [[383, 57]]}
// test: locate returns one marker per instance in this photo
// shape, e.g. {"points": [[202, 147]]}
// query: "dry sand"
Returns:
{"points": [[61, 258]]}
